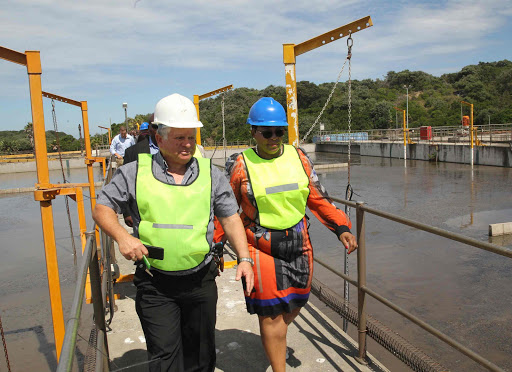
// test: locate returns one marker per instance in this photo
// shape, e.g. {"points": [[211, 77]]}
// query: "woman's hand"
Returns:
{"points": [[349, 241]]}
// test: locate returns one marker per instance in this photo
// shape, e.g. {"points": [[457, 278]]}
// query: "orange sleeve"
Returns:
{"points": [[321, 204], [235, 171]]}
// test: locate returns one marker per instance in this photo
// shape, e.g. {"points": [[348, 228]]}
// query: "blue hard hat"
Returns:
{"points": [[267, 112], [144, 126]]}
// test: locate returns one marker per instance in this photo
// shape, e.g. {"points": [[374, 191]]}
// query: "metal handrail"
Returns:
{"points": [[69, 343], [493, 133], [90, 262], [363, 288]]}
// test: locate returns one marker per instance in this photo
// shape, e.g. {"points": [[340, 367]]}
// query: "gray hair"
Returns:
{"points": [[163, 131]]}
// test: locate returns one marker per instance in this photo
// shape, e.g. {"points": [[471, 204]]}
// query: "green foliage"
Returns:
{"points": [[433, 101]]}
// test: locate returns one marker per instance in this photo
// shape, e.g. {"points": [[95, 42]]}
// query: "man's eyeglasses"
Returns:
{"points": [[267, 134], [154, 126]]}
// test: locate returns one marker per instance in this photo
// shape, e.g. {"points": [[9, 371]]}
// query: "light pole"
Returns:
{"points": [[407, 106], [125, 106]]}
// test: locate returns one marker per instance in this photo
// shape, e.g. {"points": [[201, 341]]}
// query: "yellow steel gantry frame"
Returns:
{"points": [[405, 132], [470, 129], [197, 98], [89, 159], [291, 51], [109, 133], [45, 191]]}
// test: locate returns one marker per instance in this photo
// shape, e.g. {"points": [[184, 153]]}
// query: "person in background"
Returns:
{"points": [[146, 146], [174, 198], [273, 183], [120, 143], [143, 132]]}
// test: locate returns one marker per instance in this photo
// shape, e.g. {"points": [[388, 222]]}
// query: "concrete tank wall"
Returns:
{"points": [[500, 156]]}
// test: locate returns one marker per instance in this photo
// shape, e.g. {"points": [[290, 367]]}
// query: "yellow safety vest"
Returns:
{"points": [[280, 186], [174, 217], [198, 154]]}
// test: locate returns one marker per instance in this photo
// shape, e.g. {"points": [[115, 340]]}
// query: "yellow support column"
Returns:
{"points": [[81, 216], [198, 131], [405, 138], [471, 136], [291, 94], [291, 51], [43, 179], [90, 162]]}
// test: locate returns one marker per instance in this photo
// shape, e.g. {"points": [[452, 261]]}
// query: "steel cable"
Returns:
{"points": [[56, 129]]}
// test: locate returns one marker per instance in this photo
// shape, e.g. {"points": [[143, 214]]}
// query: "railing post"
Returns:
{"points": [[361, 283], [99, 310]]}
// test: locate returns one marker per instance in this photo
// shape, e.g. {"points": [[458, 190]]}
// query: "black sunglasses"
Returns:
{"points": [[267, 134], [154, 126]]}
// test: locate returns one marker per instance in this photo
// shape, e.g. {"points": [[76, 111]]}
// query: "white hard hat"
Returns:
{"points": [[176, 111]]}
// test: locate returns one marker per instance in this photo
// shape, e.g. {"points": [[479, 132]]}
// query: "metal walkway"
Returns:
{"points": [[315, 342]]}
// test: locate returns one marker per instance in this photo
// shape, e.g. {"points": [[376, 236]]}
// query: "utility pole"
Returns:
{"points": [[81, 140], [125, 106], [407, 106]]}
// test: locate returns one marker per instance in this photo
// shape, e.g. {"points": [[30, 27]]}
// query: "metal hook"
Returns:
{"points": [[350, 42]]}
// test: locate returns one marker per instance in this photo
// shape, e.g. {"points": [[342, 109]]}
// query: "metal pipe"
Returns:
{"points": [[102, 347], [361, 283], [447, 339], [68, 347], [99, 309]]}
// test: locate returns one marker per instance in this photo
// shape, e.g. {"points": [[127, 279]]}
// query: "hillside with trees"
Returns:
{"points": [[433, 101]]}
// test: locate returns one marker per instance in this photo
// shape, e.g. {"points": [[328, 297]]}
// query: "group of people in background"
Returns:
{"points": [[125, 147], [180, 206]]}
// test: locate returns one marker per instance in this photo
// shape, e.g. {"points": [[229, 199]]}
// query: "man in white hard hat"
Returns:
{"points": [[173, 198]]}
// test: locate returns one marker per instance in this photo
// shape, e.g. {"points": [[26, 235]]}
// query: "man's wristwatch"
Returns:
{"points": [[246, 259]]}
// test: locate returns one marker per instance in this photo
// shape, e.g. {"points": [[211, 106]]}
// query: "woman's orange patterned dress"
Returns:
{"points": [[283, 259]]}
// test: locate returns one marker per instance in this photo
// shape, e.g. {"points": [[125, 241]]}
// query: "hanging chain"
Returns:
{"points": [[326, 103], [348, 191], [350, 42], [5, 346], [56, 129]]}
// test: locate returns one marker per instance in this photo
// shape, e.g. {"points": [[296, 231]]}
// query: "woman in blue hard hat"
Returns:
{"points": [[273, 184], [143, 132]]}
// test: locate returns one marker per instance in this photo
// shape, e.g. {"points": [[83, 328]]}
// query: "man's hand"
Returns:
{"points": [[118, 156], [244, 270], [235, 233], [132, 248], [349, 241]]}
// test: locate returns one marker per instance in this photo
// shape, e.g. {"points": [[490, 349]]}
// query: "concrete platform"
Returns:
{"points": [[315, 343]]}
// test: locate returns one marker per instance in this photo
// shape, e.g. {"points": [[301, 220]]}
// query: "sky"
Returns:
{"points": [[139, 51]]}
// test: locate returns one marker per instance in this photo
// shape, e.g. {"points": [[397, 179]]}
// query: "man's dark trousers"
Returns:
{"points": [[178, 315]]}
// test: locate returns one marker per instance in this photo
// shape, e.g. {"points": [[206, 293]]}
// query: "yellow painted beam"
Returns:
{"points": [[198, 97], [333, 35], [215, 92], [13, 56], [61, 99], [291, 51]]}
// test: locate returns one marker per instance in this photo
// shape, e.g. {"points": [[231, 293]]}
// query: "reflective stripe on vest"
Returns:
{"points": [[280, 187], [174, 217]]}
